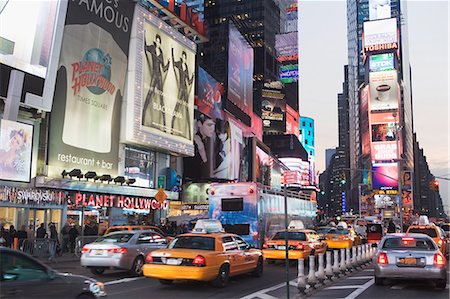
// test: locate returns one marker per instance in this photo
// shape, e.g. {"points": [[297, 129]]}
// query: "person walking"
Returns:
{"points": [[41, 232], [391, 227], [73, 234], [65, 238]]}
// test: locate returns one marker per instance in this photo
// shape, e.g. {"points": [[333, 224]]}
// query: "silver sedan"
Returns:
{"points": [[121, 250], [410, 256]]}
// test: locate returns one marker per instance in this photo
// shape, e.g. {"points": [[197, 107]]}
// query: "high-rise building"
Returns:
{"points": [[307, 135]]}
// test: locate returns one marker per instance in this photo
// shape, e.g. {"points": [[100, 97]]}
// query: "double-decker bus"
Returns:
{"points": [[256, 212]]}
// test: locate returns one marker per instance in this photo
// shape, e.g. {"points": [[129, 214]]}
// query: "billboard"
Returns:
{"points": [[286, 45], [240, 71], [379, 9], [26, 34], [16, 144], [209, 95], [273, 111], [161, 75], [383, 201], [85, 120], [381, 62], [385, 176], [292, 121], [384, 90], [384, 132], [289, 73], [263, 166], [380, 35], [407, 190]]}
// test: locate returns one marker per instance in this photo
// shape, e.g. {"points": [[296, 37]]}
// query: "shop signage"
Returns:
{"points": [[195, 207], [32, 196], [118, 201]]}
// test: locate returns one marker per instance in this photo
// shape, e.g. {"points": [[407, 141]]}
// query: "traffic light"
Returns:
{"points": [[434, 185]]}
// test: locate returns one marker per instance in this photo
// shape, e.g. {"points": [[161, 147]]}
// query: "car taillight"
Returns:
{"points": [[299, 246], [149, 258], [85, 250], [382, 259], [117, 250], [199, 261], [439, 260], [265, 246], [440, 242]]}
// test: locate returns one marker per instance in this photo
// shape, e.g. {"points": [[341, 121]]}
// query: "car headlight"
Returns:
{"points": [[97, 288]]}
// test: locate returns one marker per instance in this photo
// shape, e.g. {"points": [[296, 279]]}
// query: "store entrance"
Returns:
{"points": [[38, 216]]}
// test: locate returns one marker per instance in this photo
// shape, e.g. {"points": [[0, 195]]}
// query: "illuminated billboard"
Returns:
{"points": [[381, 62], [292, 121], [379, 9], [407, 190], [209, 95], [384, 91], [383, 201], [289, 73], [85, 119], [240, 71], [160, 107], [16, 144], [385, 176], [286, 45], [273, 111], [380, 35]]}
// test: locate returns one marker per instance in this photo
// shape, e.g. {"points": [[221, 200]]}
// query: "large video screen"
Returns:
{"points": [[209, 95], [379, 9], [26, 34], [273, 112], [380, 32], [16, 144], [240, 71], [385, 176], [384, 90]]}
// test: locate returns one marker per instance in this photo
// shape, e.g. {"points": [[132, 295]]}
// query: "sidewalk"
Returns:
{"points": [[63, 261]]}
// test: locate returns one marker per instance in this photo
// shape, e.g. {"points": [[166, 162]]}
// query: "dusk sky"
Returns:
{"points": [[323, 54]]}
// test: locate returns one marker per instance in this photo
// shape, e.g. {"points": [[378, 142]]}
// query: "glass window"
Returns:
{"points": [[409, 243], [229, 243], [303, 123], [242, 245], [115, 238], [232, 204], [140, 165], [446, 227], [15, 267], [188, 242], [150, 238], [306, 141], [339, 231], [295, 236], [427, 231]]}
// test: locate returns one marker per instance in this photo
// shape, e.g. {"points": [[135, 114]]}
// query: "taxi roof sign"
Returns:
{"points": [[296, 224], [207, 226], [423, 220]]}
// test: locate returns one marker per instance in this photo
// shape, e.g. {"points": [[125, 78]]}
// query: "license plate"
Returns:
{"points": [[98, 252], [281, 247], [173, 261], [408, 261]]}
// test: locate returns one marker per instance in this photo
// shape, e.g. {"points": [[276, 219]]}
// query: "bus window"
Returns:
{"points": [[238, 229], [232, 204]]}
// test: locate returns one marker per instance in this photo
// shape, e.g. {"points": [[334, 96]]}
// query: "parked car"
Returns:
{"points": [[124, 250], [410, 256], [25, 277]]}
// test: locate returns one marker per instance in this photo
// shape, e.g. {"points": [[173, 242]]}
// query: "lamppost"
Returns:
{"points": [[398, 129]]}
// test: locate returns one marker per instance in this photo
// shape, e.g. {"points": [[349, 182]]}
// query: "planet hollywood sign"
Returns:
{"points": [[118, 201]]}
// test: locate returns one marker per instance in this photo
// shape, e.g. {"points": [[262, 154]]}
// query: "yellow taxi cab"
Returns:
{"points": [[302, 243], [342, 237], [206, 254], [433, 231]]}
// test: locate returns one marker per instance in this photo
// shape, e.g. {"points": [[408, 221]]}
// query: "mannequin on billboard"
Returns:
{"points": [[158, 73], [181, 118]]}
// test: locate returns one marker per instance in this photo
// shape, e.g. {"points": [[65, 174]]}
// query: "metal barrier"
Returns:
{"points": [[81, 241], [42, 248]]}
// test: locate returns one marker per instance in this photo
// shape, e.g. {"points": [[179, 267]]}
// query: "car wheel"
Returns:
{"points": [[259, 268], [86, 296], [441, 284], [97, 271], [165, 281], [269, 261], [223, 277], [379, 281], [136, 269]]}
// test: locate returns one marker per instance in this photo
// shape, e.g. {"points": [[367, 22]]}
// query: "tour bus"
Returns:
{"points": [[256, 212]]}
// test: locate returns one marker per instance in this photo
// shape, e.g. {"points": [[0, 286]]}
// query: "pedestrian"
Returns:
{"points": [[12, 234], [4, 236], [73, 234], [65, 237], [391, 227], [22, 233], [41, 231]]}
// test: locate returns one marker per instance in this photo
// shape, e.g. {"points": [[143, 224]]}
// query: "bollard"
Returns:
{"points": [[16, 243], [301, 279], [321, 270], [358, 254], [336, 263], [354, 261], [328, 269], [366, 253], [342, 265], [348, 263], [312, 280]]}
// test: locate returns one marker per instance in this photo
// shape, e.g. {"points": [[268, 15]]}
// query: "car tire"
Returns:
{"points": [[165, 281], [136, 269], [258, 272], [86, 296], [441, 284], [97, 271], [223, 277], [379, 281], [270, 261]]}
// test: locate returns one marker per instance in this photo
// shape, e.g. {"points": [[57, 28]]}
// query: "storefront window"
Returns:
{"points": [[7, 216], [140, 165], [56, 219]]}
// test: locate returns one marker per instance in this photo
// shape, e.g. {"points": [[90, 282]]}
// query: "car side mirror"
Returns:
{"points": [[51, 274]]}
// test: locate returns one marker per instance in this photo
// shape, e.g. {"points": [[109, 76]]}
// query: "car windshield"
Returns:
{"points": [[409, 243], [445, 227], [339, 231], [296, 236], [427, 231], [114, 238], [323, 230], [193, 242]]}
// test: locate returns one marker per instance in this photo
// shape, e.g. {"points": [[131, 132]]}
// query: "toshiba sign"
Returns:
{"points": [[380, 35]]}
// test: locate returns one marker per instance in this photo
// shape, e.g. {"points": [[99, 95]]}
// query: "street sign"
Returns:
{"points": [[290, 177], [160, 196], [161, 183]]}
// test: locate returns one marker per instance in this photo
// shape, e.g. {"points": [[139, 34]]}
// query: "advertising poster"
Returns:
{"points": [[292, 121], [384, 151], [85, 119], [286, 45], [383, 90], [384, 132], [15, 151], [380, 35], [273, 111], [407, 190], [379, 9], [26, 41], [383, 201], [263, 166], [289, 73], [240, 71], [381, 62], [209, 95], [168, 90], [385, 176]]}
